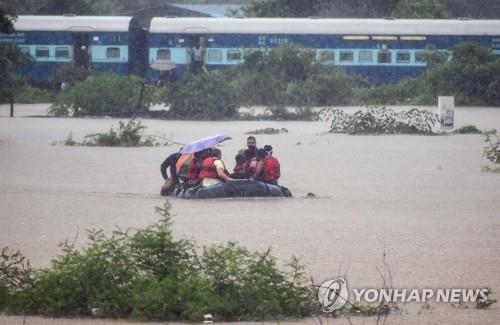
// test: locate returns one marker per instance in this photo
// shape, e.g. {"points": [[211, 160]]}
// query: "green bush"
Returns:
{"points": [[29, 94], [492, 146], [468, 129], [129, 134], [471, 75], [381, 120], [204, 96], [147, 274], [105, 94]]}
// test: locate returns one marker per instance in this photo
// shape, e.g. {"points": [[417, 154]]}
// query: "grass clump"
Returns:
{"points": [[268, 131], [468, 129], [148, 274], [491, 149], [382, 120], [129, 134]]}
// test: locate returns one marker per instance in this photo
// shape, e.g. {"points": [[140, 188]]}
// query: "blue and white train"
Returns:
{"points": [[381, 50]]}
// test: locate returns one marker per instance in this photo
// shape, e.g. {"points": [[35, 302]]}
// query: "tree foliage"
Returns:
{"points": [[77, 7], [104, 94], [11, 57], [420, 9], [149, 274], [472, 75]]}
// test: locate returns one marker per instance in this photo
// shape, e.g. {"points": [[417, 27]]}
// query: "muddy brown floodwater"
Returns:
{"points": [[423, 200]]}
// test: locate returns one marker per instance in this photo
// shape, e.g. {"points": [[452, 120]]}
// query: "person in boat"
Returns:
{"points": [[239, 168], [169, 164], [213, 171], [268, 166]]}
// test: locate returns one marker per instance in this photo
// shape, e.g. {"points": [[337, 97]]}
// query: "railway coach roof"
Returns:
{"points": [[72, 23], [326, 26]]}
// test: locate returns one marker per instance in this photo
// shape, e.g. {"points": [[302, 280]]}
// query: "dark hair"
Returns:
{"points": [[215, 153], [261, 153], [268, 148], [240, 159], [249, 154], [252, 138]]}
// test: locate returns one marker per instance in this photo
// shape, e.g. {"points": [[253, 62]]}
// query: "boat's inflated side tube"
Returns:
{"points": [[239, 188], [234, 188]]}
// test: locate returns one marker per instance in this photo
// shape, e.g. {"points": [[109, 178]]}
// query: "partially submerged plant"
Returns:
{"points": [[492, 148], [129, 134], [149, 274], [268, 131], [382, 120], [468, 129]]}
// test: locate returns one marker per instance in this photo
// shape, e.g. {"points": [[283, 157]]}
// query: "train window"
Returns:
{"points": [[62, 52], [412, 38], [420, 57], [214, 56], [346, 56], [403, 57], [384, 38], [356, 37], [113, 53], [25, 49], [384, 57], [233, 55], [326, 56], [163, 54], [116, 38], [365, 57], [42, 52]]}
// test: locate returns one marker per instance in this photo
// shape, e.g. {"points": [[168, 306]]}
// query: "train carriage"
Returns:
{"points": [[381, 50], [100, 43]]}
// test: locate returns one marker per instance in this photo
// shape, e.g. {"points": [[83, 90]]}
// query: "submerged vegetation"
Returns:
{"points": [[129, 134], [382, 120], [104, 95], [147, 274], [492, 148], [268, 131]]}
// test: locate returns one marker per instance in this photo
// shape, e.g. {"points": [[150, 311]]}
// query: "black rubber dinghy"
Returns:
{"points": [[234, 188]]}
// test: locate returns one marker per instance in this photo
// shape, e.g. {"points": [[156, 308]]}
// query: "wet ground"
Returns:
{"points": [[421, 200]]}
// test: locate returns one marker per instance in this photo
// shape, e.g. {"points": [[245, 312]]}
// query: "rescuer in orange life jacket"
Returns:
{"points": [[213, 171], [268, 166]]}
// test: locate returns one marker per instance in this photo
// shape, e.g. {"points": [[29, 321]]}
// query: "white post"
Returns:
{"points": [[446, 111]]}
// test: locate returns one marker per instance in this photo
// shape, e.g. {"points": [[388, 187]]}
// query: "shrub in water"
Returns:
{"points": [[106, 94], [129, 134], [147, 274], [204, 96], [492, 148], [381, 120]]}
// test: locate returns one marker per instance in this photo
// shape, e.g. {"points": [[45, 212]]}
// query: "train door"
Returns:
{"points": [[81, 50], [198, 50]]}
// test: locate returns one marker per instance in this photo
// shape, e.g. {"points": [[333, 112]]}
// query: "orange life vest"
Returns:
{"points": [[208, 169], [182, 166], [271, 171]]}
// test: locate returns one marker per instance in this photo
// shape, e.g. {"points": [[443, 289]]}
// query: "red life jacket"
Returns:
{"points": [[271, 171], [193, 170], [208, 169]]}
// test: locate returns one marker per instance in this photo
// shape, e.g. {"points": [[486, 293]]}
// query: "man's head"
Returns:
{"points": [[261, 153], [269, 149], [215, 153], [251, 143], [240, 159]]}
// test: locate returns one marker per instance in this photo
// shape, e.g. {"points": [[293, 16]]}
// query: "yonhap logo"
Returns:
{"points": [[333, 294]]}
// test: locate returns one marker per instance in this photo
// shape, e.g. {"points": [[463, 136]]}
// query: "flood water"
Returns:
{"points": [[423, 201]]}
